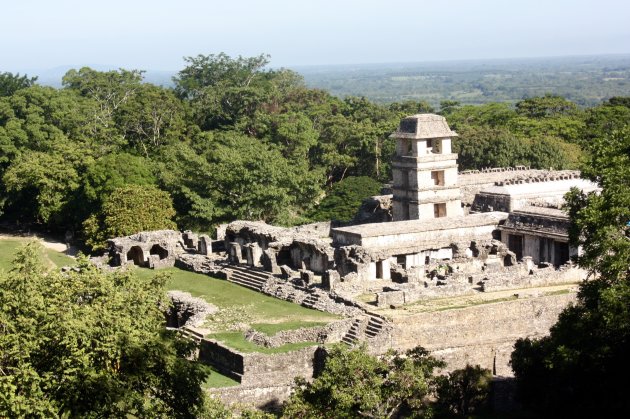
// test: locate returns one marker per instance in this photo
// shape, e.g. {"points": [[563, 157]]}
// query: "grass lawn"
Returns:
{"points": [[216, 380], [240, 307], [9, 247], [247, 303]]}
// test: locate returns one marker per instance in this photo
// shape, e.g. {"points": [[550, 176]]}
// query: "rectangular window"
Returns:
{"points": [[439, 210], [402, 261], [437, 177]]}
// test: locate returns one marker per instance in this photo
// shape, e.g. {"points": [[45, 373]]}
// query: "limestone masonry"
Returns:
{"points": [[460, 263]]}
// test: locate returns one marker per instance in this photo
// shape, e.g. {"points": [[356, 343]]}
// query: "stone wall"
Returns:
{"points": [[265, 379], [268, 398], [539, 277], [187, 310], [227, 361], [482, 334]]}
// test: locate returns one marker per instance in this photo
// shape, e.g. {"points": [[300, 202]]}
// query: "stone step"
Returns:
{"points": [[250, 277], [250, 270], [245, 285], [372, 330], [256, 277], [245, 282], [348, 342]]}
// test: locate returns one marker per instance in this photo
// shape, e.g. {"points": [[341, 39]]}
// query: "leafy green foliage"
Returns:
{"points": [[464, 391], [345, 198], [41, 184], [541, 133], [152, 119], [235, 139], [354, 384], [129, 210], [581, 368], [89, 344], [115, 171], [600, 221], [11, 83]]}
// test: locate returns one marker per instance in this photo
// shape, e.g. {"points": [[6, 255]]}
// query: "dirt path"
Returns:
{"points": [[46, 242]]}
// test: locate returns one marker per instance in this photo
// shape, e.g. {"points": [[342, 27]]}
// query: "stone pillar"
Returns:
{"points": [[204, 246], [254, 253], [330, 278], [386, 269], [269, 261], [221, 231], [234, 250], [371, 271]]}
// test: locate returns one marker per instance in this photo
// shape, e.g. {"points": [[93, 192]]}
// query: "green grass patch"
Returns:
{"points": [[242, 304], [10, 246], [58, 258], [271, 329], [236, 340], [217, 380]]}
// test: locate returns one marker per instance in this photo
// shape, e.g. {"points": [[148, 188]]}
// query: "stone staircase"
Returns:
{"points": [[352, 336], [311, 301], [247, 277], [374, 327], [360, 333]]}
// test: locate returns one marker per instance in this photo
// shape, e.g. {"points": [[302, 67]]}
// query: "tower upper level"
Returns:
{"points": [[424, 169], [423, 134]]}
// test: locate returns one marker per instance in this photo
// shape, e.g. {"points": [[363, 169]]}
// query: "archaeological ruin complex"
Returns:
{"points": [[462, 263]]}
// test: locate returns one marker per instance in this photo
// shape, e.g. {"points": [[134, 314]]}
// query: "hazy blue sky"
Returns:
{"points": [[156, 34]]}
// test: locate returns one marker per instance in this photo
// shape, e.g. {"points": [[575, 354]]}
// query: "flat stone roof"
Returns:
{"points": [[419, 226], [534, 188], [549, 212]]}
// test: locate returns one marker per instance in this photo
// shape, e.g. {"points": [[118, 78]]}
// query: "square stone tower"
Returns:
{"points": [[425, 170]]}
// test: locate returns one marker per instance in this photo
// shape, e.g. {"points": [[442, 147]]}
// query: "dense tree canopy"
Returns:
{"points": [[355, 384], [345, 198], [11, 83], [235, 139], [128, 210], [581, 369], [89, 344]]}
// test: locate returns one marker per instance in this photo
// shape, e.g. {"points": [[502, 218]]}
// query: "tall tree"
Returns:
{"points": [[581, 368], [90, 344], [11, 83], [128, 210], [355, 384]]}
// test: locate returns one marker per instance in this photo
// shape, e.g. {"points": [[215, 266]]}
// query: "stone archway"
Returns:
{"points": [[158, 250], [136, 254]]}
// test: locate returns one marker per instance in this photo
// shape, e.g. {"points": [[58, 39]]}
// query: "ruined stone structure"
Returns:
{"points": [[424, 170], [156, 249], [469, 264]]}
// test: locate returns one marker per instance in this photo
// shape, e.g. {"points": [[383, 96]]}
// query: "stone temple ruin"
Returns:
{"points": [[495, 237]]}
